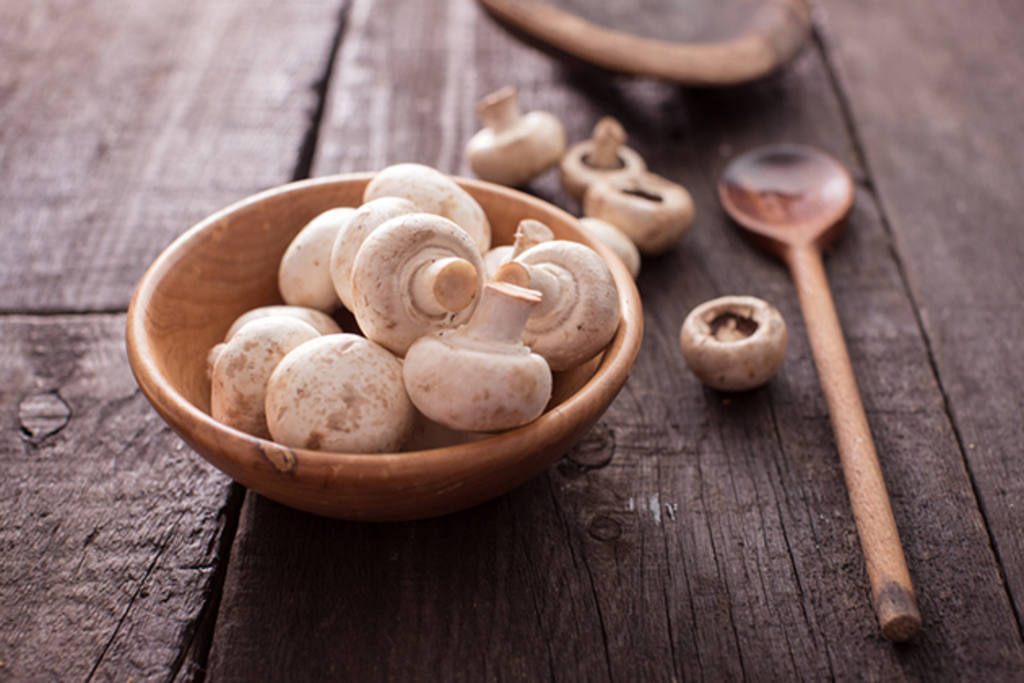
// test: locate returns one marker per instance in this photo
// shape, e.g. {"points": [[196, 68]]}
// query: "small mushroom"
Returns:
{"points": [[734, 343], [513, 148], [653, 212], [304, 276], [481, 377], [433, 192], [339, 393], [604, 155], [242, 367], [528, 233], [579, 313], [616, 240], [414, 274], [365, 220], [323, 323]]}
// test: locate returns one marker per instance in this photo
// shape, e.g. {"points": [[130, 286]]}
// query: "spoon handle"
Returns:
{"points": [[891, 589]]}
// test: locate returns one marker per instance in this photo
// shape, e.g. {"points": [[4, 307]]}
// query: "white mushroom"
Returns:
{"points": [[481, 377], [605, 155], [365, 220], [414, 274], [513, 148], [653, 212], [339, 393], [304, 276], [433, 192], [323, 323], [616, 240], [580, 310], [734, 343], [528, 233], [243, 365]]}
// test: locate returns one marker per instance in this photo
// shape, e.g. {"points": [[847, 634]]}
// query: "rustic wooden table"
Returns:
{"points": [[691, 535]]}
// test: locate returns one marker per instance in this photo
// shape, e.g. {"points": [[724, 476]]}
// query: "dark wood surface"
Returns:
{"points": [[691, 535]]}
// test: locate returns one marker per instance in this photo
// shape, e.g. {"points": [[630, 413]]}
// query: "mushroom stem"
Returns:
{"points": [[530, 233], [499, 111], [608, 136], [446, 285], [502, 313]]}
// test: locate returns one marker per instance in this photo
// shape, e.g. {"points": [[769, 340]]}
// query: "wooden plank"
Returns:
{"points": [[936, 102], [692, 534], [112, 529], [122, 123]]}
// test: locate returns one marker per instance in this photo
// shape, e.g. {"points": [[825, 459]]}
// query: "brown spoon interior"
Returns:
{"points": [[788, 196]]}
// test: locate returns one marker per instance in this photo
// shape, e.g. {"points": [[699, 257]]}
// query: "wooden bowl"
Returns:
{"points": [[227, 264]]}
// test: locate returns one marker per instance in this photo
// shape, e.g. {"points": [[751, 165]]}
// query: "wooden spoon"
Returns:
{"points": [[792, 200]]}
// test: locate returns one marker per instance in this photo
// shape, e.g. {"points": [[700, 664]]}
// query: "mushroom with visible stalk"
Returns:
{"points": [[652, 211], [604, 155], [323, 323], [365, 220], [304, 276], [339, 393], [580, 310], [513, 148], [433, 192], [414, 274], [242, 366], [734, 343], [614, 239], [481, 377], [528, 233]]}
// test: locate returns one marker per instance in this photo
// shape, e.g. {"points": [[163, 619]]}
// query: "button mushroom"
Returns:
{"points": [[512, 148], [653, 212], [242, 367], [339, 393], [604, 155], [304, 276], [323, 323], [616, 240], [481, 377], [528, 233], [734, 343], [415, 274], [580, 310], [365, 220], [433, 192]]}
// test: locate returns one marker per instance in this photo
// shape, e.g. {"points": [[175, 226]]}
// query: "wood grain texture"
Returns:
{"points": [[935, 98], [692, 534], [111, 527], [122, 123]]}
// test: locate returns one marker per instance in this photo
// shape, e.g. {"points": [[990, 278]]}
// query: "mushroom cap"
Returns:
{"points": [[653, 212], [243, 365], [339, 393], [516, 155], [577, 174], [365, 220], [433, 192], [616, 240], [323, 323], [497, 257], [388, 266], [304, 276], [528, 233], [734, 343], [581, 316]]}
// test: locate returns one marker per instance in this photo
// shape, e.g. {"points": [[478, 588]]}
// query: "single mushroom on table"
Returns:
{"points": [[339, 393], [652, 211], [513, 148], [415, 274], [242, 366], [579, 312], [734, 343], [304, 276], [433, 192], [605, 155], [529, 233], [481, 377]]}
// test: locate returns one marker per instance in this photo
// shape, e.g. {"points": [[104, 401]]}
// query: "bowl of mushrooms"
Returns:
{"points": [[347, 346]]}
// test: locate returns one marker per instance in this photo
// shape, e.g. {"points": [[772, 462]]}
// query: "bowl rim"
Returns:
{"points": [[553, 425]]}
